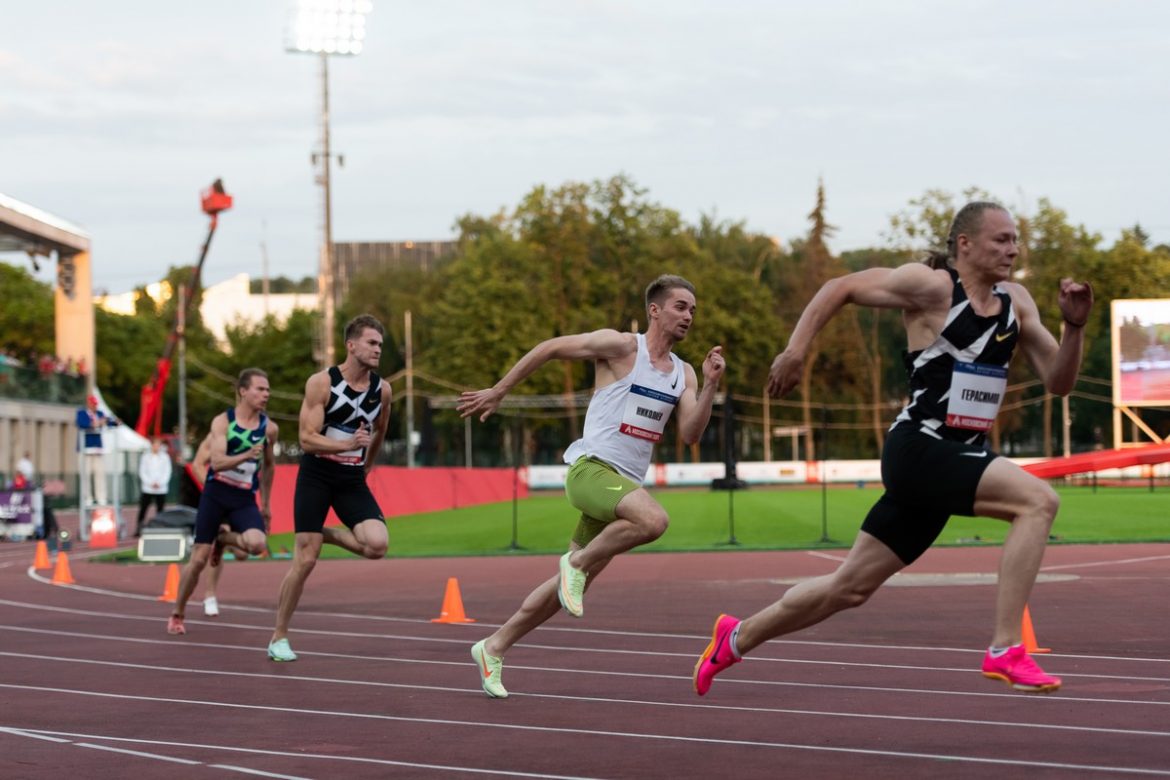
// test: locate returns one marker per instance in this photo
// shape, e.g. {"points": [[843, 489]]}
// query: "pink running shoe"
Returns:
{"points": [[717, 656], [1017, 669], [175, 626]]}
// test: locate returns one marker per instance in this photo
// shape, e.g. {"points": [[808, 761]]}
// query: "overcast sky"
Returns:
{"points": [[114, 115]]}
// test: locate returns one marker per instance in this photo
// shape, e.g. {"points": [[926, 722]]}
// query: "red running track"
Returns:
{"points": [[92, 687]]}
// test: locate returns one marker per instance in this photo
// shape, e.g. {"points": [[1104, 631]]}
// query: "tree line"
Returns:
{"points": [[577, 257]]}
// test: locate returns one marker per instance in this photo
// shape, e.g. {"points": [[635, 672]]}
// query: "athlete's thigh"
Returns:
{"points": [[596, 489], [638, 504], [208, 516], [1006, 489]]}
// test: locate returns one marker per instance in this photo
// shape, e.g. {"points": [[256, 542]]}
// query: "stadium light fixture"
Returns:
{"points": [[327, 28]]}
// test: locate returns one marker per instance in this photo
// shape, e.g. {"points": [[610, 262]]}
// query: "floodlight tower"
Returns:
{"points": [[325, 28]]}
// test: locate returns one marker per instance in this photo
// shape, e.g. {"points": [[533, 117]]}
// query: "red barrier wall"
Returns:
{"points": [[403, 491]]}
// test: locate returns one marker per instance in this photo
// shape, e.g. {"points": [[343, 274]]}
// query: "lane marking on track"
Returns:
{"points": [[776, 643], [139, 753], [257, 772], [32, 733], [1105, 563], [604, 673], [610, 736]]}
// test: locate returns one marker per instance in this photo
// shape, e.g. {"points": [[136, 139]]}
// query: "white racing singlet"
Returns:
{"points": [[626, 419]]}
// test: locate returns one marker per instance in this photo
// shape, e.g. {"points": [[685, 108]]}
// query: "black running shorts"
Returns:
{"points": [[927, 480], [322, 484]]}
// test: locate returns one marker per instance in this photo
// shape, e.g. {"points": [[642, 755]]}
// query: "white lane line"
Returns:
{"points": [[688, 637], [827, 556], [139, 753], [705, 706], [31, 735], [45, 735], [246, 771], [527, 645], [1105, 563], [617, 736], [171, 643]]}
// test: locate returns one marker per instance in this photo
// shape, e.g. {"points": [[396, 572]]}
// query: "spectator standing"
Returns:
{"points": [[154, 474], [93, 421]]}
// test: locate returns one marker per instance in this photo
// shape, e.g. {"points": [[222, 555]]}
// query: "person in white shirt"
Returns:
{"points": [[25, 467], [154, 474]]}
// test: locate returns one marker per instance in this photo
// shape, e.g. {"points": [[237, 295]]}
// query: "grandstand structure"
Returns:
{"points": [[42, 423]]}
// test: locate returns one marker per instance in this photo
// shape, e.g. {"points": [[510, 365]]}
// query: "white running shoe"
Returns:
{"points": [[210, 606]]}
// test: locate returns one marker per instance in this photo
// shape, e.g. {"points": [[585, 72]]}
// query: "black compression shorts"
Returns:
{"points": [[322, 484], [927, 480]]}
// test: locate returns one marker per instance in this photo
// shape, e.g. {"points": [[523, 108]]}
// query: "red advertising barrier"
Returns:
{"points": [[403, 491]]}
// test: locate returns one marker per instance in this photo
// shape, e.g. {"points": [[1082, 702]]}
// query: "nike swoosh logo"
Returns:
{"points": [[674, 384], [980, 454], [715, 655], [614, 487], [1004, 336], [483, 659]]}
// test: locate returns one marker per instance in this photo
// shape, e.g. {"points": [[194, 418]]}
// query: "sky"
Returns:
{"points": [[114, 115]]}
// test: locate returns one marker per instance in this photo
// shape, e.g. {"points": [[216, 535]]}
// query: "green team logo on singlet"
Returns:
{"points": [[240, 440]]}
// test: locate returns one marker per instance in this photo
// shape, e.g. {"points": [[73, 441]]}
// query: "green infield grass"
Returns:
{"points": [[764, 519]]}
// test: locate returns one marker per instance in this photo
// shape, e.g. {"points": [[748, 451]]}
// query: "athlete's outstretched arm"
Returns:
{"points": [[909, 287], [694, 410], [603, 344]]}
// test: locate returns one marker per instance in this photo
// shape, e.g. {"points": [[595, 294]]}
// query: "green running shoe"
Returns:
{"points": [[571, 591], [491, 671]]}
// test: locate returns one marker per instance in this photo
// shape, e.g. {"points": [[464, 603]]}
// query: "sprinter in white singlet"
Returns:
{"points": [[640, 385]]}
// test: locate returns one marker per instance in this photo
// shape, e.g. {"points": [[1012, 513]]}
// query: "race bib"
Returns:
{"points": [[977, 390], [240, 476], [349, 457], [646, 413]]}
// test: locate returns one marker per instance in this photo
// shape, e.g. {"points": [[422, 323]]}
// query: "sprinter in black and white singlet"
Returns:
{"points": [[342, 424], [640, 385], [963, 317]]}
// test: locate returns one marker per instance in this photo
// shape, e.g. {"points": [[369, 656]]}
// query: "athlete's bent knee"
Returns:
{"points": [[374, 552], [654, 525]]}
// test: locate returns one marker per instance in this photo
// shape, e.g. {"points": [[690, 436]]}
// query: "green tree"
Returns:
{"points": [[27, 322]]}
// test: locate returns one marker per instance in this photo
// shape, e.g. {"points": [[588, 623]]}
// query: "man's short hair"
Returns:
{"points": [[244, 380], [359, 323], [658, 289]]}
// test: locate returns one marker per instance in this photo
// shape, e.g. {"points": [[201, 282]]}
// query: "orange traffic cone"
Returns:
{"points": [[452, 605], [1030, 643], [41, 559], [61, 574], [171, 588]]}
